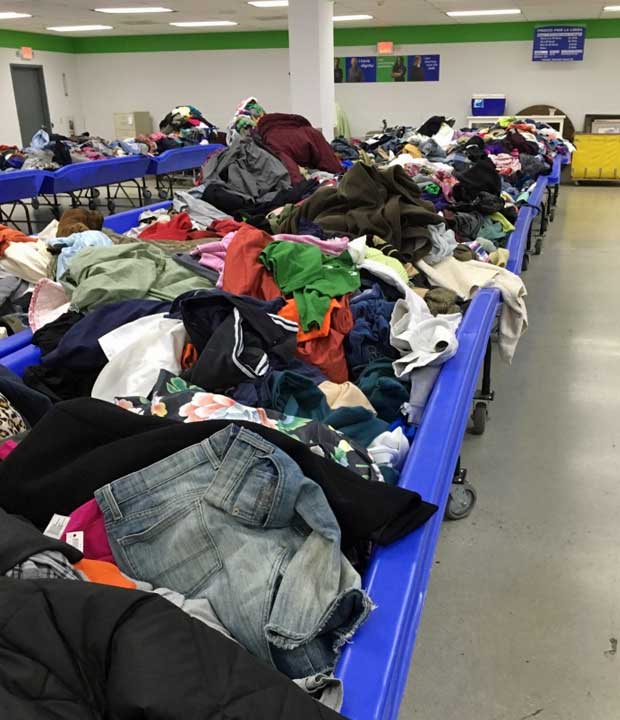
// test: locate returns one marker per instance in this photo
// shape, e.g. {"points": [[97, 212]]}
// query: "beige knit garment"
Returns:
{"points": [[465, 277], [345, 394]]}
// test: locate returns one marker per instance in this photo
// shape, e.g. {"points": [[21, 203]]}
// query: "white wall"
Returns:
{"points": [[62, 108], [590, 86], [215, 81]]}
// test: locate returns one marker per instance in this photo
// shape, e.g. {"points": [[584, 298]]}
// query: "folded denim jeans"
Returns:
{"points": [[234, 520]]}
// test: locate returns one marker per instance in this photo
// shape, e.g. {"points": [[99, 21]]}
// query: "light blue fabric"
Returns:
{"points": [[72, 245], [133, 148], [40, 140], [233, 519]]}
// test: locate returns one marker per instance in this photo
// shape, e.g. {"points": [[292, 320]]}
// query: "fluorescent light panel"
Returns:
{"points": [[13, 15], [79, 28], [204, 23], [133, 10], [347, 18], [268, 3], [611, 8], [476, 13]]}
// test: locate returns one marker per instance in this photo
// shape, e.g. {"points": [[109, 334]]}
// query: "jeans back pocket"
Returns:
{"points": [[176, 552]]}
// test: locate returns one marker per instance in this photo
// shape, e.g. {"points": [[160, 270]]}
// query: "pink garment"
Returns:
{"points": [[506, 164], [89, 519], [6, 448], [335, 246], [446, 182], [48, 302], [92, 154], [213, 255]]}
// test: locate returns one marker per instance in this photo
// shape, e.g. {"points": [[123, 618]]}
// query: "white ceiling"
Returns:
{"points": [[386, 12]]}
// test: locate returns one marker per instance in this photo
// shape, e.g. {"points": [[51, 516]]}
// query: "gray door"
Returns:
{"points": [[31, 100]]}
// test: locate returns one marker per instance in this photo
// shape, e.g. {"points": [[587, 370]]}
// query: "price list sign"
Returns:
{"points": [[559, 43]]}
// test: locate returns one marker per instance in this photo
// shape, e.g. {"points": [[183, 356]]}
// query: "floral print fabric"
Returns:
{"points": [[175, 399]]}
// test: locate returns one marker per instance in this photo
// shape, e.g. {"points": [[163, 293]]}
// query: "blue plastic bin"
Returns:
{"points": [[537, 195], [20, 185], [184, 158], [375, 665], [15, 342], [518, 238], [488, 105], [95, 173], [556, 170], [21, 359], [121, 222]]}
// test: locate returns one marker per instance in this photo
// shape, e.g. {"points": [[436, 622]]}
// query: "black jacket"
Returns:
{"points": [[236, 337], [81, 651]]}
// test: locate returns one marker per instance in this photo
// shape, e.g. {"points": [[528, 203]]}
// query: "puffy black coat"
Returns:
{"points": [[81, 651]]}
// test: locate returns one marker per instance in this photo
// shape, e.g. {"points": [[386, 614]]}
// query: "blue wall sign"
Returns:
{"points": [[559, 43]]}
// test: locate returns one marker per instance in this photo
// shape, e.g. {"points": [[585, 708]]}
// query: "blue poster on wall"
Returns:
{"points": [[559, 43], [362, 69], [423, 68]]}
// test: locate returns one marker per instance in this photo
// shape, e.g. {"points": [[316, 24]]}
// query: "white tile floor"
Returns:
{"points": [[523, 607]]}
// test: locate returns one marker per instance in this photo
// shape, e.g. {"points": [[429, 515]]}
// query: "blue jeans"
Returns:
{"points": [[234, 520]]}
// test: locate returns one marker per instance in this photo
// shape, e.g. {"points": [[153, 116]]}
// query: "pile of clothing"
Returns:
{"points": [[476, 179], [247, 114], [225, 401], [78, 634], [182, 126], [438, 140], [273, 160], [234, 469], [187, 124], [52, 151]]}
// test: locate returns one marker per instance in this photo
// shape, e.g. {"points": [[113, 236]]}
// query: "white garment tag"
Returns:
{"points": [[76, 539], [56, 526]]}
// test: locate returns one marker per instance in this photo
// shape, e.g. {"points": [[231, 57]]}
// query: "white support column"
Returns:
{"points": [[311, 62]]}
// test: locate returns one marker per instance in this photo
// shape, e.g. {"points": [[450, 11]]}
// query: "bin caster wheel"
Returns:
{"points": [[147, 194], [35, 203], [96, 193], [163, 194], [111, 206], [92, 204], [461, 501], [538, 246], [525, 263], [479, 418]]}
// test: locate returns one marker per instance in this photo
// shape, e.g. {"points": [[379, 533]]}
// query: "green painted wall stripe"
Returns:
{"points": [[401, 35], [187, 41], [37, 41], [465, 33]]}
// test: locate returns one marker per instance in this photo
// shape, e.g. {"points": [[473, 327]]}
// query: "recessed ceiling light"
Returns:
{"points": [[612, 8], [346, 18], [476, 13], [204, 23], [133, 10], [268, 3], [13, 15], [79, 28]]}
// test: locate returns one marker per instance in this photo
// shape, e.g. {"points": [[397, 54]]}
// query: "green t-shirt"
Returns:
{"points": [[311, 277]]}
